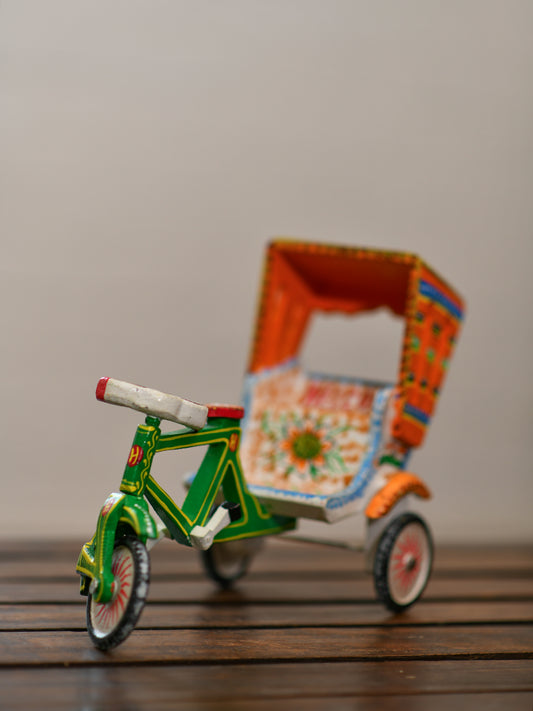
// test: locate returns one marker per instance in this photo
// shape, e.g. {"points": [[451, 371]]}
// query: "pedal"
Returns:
{"points": [[202, 537]]}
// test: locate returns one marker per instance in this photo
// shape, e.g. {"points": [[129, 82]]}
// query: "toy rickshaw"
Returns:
{"points": [[313, 446]]}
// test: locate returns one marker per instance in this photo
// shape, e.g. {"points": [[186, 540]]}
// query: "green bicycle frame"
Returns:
{"points": [[128, 511]]}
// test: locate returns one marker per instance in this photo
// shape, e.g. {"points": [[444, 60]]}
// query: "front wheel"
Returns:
{"points": [[109, 623], [402, 564], [227, 561]]}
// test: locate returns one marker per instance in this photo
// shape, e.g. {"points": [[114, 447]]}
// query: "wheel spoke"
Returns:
{"points": [[109, 623], [407, 573], [403, 562]]}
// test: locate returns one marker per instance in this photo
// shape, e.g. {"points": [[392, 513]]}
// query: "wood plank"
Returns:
{"points": [[270, 591], [189, 568], [449, 702], [108, 695], [253, 645], [304, 629], [276, 557], [106, 687], [172, 616]]}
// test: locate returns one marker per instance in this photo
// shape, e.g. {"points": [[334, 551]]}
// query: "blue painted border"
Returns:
{"points": [[357, 487], [416, 413], [431, 292]]}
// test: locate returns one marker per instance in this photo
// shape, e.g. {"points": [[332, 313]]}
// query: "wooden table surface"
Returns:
{"points": [[302, 631]]}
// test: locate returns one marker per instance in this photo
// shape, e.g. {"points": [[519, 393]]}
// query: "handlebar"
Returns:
{"points": [[152, 402]]}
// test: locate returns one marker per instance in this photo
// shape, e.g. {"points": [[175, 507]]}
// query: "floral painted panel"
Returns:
{"points": [[306, 434]]}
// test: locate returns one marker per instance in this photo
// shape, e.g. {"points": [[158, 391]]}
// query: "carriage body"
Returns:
{"points": [[325, 446]]}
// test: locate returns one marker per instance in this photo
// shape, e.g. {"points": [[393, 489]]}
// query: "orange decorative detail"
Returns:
{"points": [[301, 278], [398, 486], [233, 442]]}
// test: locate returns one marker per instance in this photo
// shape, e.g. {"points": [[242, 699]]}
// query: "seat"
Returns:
{"points": [[310, 441], [231, 412]]}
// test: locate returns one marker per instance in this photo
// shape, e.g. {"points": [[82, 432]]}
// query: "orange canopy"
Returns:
{"points": [[302, 277]]}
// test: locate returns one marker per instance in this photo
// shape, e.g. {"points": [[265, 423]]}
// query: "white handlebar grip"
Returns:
{"points": [[152, 402]]}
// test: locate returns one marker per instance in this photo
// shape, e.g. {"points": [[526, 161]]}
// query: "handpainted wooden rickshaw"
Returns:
{"points": [[313, 446]]}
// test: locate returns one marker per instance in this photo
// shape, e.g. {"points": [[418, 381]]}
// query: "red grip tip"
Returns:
{"points": [[100, 388]]}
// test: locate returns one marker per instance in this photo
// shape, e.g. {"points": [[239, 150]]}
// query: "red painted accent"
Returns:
{"points": [[136, 455], [100, 388], [233, 412], [107, 508]]}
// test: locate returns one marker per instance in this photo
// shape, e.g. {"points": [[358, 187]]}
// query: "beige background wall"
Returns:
{"points": [[149, 149]]}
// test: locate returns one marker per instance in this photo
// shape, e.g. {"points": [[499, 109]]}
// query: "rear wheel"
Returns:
{"points": [[109, 623], [228, 561], [402, 564]]}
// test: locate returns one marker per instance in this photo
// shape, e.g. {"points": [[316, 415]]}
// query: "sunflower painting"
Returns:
{"points": [[298, 445]]}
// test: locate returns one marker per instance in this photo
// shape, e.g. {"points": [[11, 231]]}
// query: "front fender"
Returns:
{"points": [[135, 513], [94, 562]]}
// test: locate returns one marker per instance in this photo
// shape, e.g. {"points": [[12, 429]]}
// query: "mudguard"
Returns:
{"points": [[398, 485], [94, 563]]}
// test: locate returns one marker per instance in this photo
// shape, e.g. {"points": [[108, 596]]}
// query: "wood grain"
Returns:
{"points": [[508, 682], [278, 591], [197, 616], [268, 645], [303, 629]]}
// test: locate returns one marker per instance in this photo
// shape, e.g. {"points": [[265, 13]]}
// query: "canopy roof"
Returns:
{"points": [[302, 277]]}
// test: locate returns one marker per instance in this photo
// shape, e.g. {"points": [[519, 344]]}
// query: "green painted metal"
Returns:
{"points": [[220, 470], [140, 458], [219, 476], [120, 513]]}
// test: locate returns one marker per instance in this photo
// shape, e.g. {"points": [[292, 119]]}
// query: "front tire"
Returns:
{"points": [[403, 560], [109, 623]]}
